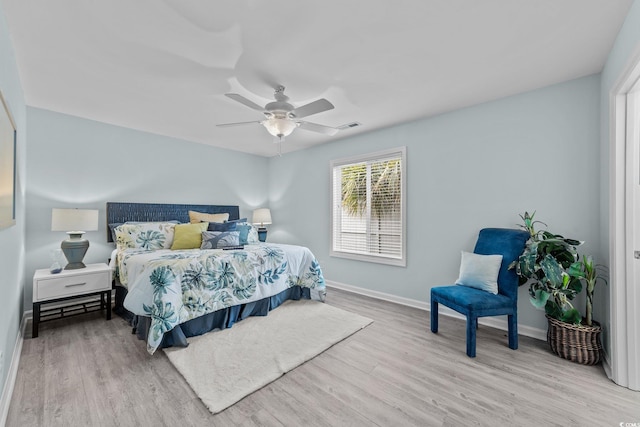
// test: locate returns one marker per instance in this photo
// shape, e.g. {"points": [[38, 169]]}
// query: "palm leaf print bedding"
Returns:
{"points": [[172, 287]]}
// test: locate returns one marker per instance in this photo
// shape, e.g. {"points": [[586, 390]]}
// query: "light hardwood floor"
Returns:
{"points": [[88, 371]]}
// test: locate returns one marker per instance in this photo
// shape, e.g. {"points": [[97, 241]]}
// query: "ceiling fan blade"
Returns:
{"points": [[314, 107], [315, 127], [242, 100], [236, 124]]}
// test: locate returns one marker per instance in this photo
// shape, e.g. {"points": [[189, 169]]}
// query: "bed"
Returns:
{"points": [[172, 294]]}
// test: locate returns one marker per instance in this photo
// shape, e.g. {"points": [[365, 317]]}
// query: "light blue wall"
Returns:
{"points": [[626, 45], [74, 162], [468, 169], [12, 240]]}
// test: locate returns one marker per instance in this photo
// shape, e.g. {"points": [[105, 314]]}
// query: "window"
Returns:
{"points": [[368, 207]]}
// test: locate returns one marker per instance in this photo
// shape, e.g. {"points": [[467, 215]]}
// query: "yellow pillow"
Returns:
{"points": [[188, 236], [195, 217]]}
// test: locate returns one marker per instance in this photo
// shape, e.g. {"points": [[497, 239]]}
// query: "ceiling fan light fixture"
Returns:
{"points": [[279, 127]]}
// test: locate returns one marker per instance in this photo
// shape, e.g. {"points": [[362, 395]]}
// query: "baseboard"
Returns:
{"points": [[7, 390], [493, 322], [379, 295]]}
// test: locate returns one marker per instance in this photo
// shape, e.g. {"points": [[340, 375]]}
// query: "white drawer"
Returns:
{"points": [[51, 288]]}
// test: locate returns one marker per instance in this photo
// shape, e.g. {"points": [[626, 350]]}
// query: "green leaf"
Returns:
{"points": [[539, 301], [564, 257], [548, 235], [571, 316], [527, 261], [574, 242], [575, 270], [552, 271], [552, 309], [575, 285]]}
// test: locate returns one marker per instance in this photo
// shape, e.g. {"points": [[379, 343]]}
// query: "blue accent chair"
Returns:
{"points": [[475, 303]]}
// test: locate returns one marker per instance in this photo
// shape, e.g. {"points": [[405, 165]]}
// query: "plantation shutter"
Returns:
{"points": [[368, 207]]}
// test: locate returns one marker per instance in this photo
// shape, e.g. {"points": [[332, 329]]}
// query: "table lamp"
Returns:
{"points": [[75, 247], [263, 217]]}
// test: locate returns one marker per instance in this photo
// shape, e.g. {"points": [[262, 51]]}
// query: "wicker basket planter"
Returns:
{"points": [[578, 343]]}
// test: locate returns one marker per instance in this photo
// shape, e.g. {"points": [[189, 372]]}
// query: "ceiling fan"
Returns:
{"points": [[281, 118]]}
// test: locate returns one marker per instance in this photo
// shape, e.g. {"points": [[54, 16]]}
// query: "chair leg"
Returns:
{"points": [[434, 316], [472, 323], [513, 331]]}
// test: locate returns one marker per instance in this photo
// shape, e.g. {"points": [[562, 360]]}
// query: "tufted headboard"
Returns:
{"points": [[119, 212]]}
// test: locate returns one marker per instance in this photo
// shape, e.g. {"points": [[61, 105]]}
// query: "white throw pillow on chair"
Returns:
{"points": [[480, 271]]}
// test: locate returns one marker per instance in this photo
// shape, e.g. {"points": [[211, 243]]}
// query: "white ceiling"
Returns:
{"points": [[164, 66]]}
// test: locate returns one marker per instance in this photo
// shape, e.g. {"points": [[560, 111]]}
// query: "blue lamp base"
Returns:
{"points": [[262, 234]]}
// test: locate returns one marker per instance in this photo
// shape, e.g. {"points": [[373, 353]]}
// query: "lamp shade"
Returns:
{"points": [[262, 216], [74, 219]]}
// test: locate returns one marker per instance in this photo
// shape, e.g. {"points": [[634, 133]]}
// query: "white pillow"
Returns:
{"points": [[480, 271]]}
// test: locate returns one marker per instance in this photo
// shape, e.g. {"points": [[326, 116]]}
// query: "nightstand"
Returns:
{"points": [[68, 285]]}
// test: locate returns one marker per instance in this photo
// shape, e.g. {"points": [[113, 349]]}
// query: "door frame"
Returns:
{"points": [[624, 363]]}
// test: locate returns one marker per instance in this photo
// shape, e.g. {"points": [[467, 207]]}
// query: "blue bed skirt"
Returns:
{"points": [[220, 319]]}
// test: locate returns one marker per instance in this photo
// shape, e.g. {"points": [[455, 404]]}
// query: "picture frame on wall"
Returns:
{"points": [[7, 166]]}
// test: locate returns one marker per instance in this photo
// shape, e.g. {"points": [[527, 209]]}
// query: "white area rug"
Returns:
{"points": [[224, 366]]}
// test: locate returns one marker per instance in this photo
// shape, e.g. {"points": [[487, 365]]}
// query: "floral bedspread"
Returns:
{"points": [[172, 287]]}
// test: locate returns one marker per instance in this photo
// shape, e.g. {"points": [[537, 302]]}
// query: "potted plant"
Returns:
{"points": [[550, 263]]}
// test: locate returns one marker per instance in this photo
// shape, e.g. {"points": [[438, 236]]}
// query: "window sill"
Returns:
{"points": [[397, 262]]}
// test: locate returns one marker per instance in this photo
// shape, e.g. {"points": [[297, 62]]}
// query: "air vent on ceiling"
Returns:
{"points": [[349, 125]]}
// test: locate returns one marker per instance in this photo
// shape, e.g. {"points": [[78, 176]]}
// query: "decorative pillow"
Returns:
{"points": [[248, 233], [225, 226], [243, 231], [188, 236], [252, 238], [237, 220], [219, 239], [480, 271], [196, 217], [114, 225], [222, 226], [145, 235]]}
